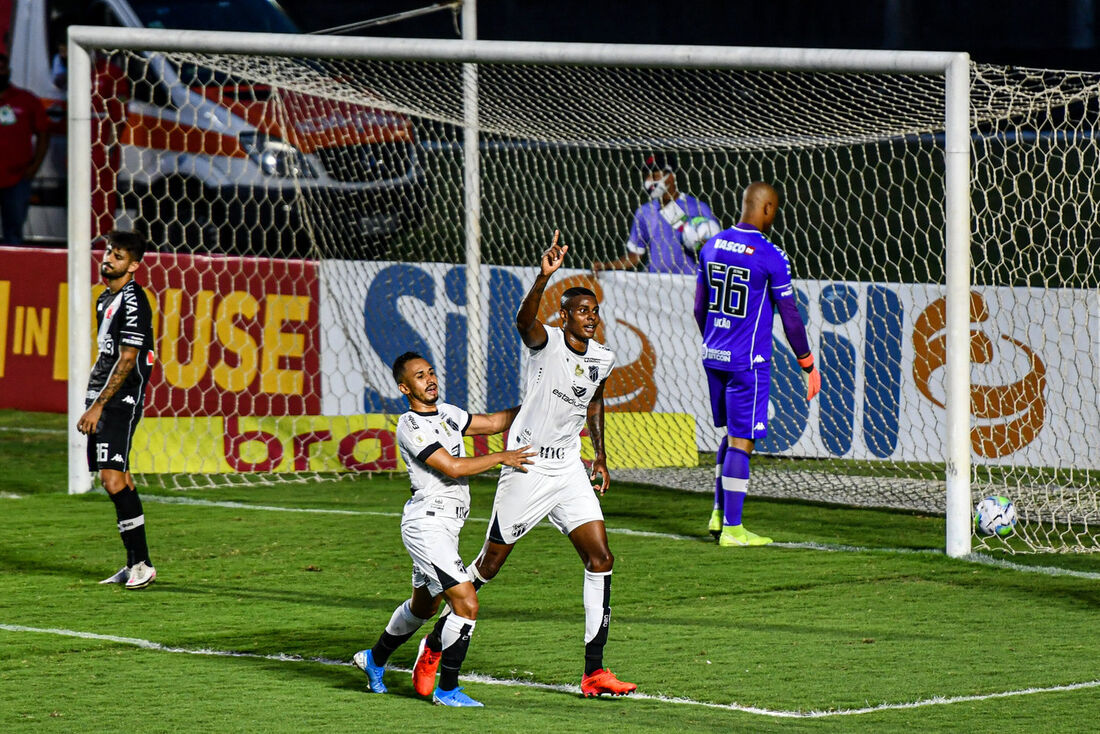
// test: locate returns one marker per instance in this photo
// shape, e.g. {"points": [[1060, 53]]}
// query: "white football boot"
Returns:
{"points": [[141, 575], [121, 577]]}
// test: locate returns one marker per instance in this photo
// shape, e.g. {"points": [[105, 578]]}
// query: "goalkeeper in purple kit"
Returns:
{"points": [[742, 280]]}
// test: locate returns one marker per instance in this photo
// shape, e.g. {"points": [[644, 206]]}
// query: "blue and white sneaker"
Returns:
{"points": [[453, 698], [365, 662]]}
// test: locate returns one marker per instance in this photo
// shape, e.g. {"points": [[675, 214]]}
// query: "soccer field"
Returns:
{"points": [[853, 621]]}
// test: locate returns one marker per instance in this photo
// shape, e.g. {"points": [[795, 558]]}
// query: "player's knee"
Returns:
{"points": [[113, 482], [466, 606], [463, 600], [600, 562]]}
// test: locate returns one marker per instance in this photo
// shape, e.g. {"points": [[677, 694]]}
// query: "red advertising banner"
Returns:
{"points": [[234, 335], [34, 329], [238, 336]]}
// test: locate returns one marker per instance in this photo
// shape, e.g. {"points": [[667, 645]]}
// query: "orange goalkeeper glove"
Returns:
{"points": [[810, 376]]}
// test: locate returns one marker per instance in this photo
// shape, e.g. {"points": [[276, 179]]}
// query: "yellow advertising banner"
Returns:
{"points": [[213, 444]]}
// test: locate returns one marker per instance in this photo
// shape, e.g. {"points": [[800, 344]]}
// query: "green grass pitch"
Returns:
{"points": [[874, 617]]}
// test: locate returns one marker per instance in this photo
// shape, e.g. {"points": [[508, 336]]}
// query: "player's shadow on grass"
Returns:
{"points": [[78, 570], [81, 572]]}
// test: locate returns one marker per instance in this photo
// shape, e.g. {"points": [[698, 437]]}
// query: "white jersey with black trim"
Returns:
{"points": [[559, 383], [419, 435]]}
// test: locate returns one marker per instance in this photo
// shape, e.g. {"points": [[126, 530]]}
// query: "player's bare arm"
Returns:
{"points": [[595, 433], [127, 358], [530, 328], [489, 424], [467, 466]]}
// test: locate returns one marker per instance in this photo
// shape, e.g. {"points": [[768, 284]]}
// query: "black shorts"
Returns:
{"points": [[109, 446]]}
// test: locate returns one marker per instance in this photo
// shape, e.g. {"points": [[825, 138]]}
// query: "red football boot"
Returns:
{"points": [[427, 663], [604, 681]]}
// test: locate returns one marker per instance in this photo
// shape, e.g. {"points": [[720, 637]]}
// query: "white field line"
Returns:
{"points": [[829, 547], [20, 429], [571, 689]]}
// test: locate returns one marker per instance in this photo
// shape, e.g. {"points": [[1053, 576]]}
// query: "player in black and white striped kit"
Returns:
{"points": [[116, 396], [429, 437]]}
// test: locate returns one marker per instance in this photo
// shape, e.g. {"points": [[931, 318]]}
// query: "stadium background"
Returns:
{"points": [[1059, 34]]}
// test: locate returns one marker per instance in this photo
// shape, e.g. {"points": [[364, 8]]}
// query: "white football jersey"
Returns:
{"points": [[419, 435], [559, 384]]}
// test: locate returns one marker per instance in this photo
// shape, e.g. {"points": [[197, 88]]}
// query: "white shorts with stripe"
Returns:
{"points": [[524, 499], [429, 530]]}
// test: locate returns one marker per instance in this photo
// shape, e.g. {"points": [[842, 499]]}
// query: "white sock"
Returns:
{"points": [[597, 602], [403, 622], [452, 629]]}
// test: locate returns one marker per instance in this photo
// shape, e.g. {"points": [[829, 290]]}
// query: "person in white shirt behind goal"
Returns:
{"points": [[563, 389], [429, 437]]}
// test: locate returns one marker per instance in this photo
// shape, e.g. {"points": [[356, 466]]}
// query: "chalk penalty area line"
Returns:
{"points": [[560, 688]]}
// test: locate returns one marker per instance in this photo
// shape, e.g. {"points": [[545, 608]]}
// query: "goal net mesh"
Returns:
{"points": [[309, 221]]}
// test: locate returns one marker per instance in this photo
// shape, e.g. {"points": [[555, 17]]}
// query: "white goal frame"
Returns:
{"points": [[955, 67]]}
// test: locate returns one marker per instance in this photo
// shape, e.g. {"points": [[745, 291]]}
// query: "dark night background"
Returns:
{"points": [[1052, 34]]}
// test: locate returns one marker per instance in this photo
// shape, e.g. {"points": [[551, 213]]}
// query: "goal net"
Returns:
{"points": [[309, 216]]}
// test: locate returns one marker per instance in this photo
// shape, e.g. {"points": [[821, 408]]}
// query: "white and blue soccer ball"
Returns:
{"points": [[697, 231], [995, 516]]}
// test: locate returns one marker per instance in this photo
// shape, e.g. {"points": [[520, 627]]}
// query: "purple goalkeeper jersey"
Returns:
{"points": [[650, 233], [745, 277]]}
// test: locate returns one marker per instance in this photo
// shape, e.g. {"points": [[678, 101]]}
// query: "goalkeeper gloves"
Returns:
{"points": [[810, 376]]}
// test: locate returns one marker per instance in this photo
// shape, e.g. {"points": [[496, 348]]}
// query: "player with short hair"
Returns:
{"points": [[742, 280], [429, 437], [670, 227], [116, 396], [564, 382]]}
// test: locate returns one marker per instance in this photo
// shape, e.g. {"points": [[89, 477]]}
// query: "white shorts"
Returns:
{"points": [[429, 530], [524, 499]]}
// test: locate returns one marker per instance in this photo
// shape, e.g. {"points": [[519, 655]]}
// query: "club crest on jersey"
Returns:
{"points": [[452, 424], [579, 391], [578, 371], [594, 373]]}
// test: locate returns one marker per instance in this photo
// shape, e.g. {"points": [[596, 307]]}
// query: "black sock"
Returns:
{"points": [[386, 644], [131, 526], [434, 640], [453, 655]]}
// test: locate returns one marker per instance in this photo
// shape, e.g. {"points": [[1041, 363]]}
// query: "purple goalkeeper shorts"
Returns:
{"points": [[739, 401]]}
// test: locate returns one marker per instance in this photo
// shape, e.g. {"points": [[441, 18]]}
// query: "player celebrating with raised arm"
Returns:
{"points": [[563, 389], [429, 437], [743, 278], [116, 396]]}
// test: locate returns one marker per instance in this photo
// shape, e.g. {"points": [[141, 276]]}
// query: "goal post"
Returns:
{"points": [[396, 76]]}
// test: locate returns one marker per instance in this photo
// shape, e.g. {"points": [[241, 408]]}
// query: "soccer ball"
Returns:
{"points": [[995, 516], [696, 232]]}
